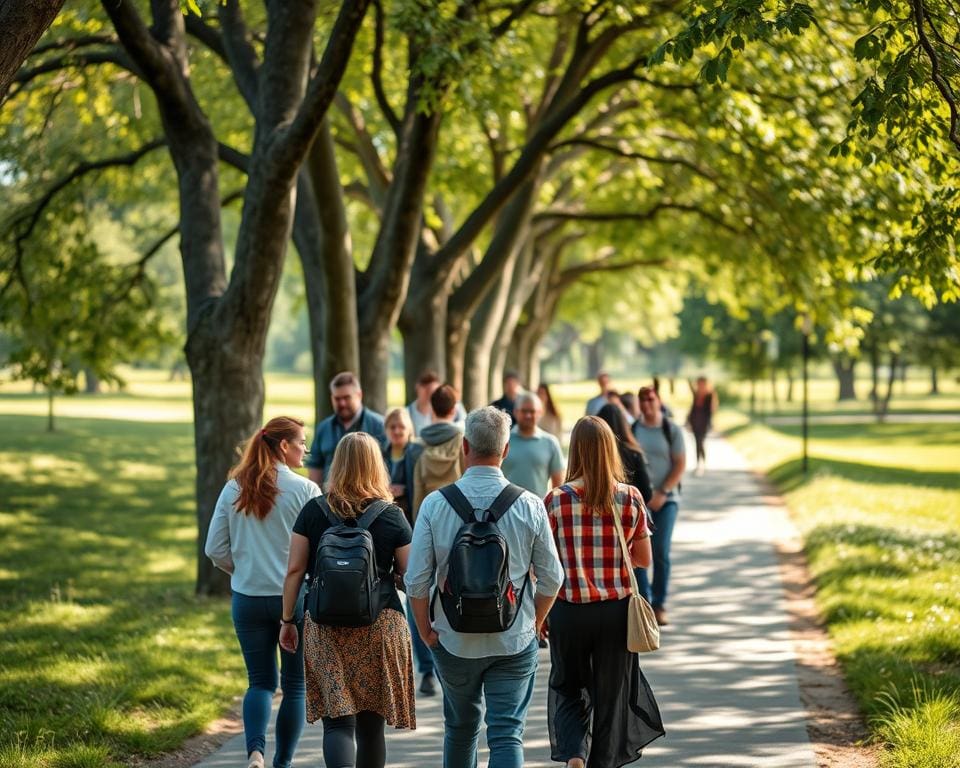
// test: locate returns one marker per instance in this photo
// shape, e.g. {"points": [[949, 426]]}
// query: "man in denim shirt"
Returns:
{"points": [[500, 665]]}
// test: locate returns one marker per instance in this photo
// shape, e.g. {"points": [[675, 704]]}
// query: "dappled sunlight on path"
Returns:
{"points": [[725, 676]]}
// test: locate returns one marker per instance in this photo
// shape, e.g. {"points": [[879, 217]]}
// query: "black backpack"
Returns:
{"points": [[347, 590], [478, 595]]}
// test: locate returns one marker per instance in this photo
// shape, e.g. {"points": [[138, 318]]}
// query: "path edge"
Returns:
{"points": [[835, 725]]}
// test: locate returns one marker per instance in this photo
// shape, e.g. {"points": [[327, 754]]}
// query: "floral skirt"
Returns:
{"points": [[360, 669]]}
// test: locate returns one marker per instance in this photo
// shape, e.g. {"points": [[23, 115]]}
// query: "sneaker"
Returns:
{"points": [[256, 760], [427, 685], [661, 615]]}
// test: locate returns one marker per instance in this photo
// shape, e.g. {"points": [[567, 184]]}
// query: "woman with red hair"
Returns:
{"points": [[249, 538]]}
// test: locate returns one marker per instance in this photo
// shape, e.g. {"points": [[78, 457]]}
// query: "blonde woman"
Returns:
{"points": [[358, 678], [602, 711], [249, 538]]}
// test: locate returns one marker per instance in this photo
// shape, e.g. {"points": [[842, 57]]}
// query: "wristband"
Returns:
{"points": [[285, 621]]}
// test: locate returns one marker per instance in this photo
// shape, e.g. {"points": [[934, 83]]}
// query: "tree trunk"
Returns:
{"points": [[22, 23], [753, 397], [50, 396], [322, 237], [934, 383], [227, 408], [458, 332], [594, 352], [423, 324], [874, 373], [882, 404], [789, 385], [385, 284], [91, 382], [773, 388], [477, 386], [843, 368]]}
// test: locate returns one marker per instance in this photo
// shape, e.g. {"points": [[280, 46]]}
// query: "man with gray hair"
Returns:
{"points": [[498, 667], [535, 461]]}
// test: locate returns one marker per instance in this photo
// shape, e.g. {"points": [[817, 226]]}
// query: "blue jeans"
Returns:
{"points": [[506, 683], [420, 651], [663, 521], [257, 623]]}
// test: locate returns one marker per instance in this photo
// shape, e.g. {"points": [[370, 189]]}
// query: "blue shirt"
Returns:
{"points": [[527, 531], [330, 432], [532, 460]]}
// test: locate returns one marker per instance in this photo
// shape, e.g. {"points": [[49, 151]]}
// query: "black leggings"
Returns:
{"points": [[354, 741], [700, 439]]}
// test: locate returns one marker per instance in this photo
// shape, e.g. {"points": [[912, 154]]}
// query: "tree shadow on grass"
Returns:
{"points": [[789, 475]]}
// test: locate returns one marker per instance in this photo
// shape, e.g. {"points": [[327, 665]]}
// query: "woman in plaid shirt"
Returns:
{"points": [[601, 709]]}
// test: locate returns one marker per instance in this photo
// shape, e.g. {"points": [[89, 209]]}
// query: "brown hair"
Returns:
{"points": [[427, 377], [613, 416], [595, 460], [547, 398], [256, 472], [358, 475], [443, 400]]}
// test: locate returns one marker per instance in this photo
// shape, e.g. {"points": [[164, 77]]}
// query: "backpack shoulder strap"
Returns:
{"points": [[458, 501], [330, 514], [667, 428], [504, 501], [372, 512]]}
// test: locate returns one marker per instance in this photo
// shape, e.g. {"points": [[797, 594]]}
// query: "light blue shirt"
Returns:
{"points": [[527, 531], [257, 550], [532, 460]]}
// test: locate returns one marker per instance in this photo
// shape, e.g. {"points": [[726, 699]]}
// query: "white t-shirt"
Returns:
{"points": [[258, 549]]}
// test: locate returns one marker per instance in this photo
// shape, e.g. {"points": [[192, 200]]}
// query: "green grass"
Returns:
{"points": [[880, 516], [105, 653]]}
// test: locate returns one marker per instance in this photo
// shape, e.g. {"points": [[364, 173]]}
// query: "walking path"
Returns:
{"points": [[725, 675]]}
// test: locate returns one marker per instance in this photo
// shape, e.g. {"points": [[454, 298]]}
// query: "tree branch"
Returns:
{"points": [[376, 74], [323, 85], [631, 155], [33, 216], [241, 56], [73, 61], [936, 71], [71, 44], [635, 216], [447, 257]]}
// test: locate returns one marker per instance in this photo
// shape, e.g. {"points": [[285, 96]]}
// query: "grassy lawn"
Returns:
{"points": [[105, 653], [880, 515]]}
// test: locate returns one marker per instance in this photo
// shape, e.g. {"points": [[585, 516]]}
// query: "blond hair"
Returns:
{"points": [[358, 475], [398, 414], [595, 460]]}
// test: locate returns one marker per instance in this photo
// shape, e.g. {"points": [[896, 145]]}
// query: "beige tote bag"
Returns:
{"points": [[643, 632]]}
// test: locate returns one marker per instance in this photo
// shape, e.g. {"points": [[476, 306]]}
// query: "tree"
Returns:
{"points": [[22, 22], [72, 312]]}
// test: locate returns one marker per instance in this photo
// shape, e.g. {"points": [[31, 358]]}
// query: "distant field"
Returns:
{"points": [[880, 516]]}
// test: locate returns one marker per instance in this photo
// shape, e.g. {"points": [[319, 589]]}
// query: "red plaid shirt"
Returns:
{"points": [[588, 545]]}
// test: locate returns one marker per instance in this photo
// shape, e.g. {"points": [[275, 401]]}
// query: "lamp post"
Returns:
{"points": [[806, 329]]}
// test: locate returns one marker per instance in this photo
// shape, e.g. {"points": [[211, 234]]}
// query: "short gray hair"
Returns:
{"points": [[487, 430], [529, 397]]}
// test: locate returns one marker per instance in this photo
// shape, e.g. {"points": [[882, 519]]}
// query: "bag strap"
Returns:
{"points": [[372, 512], [458, 501], [330, 514], [665, 427], [626, 553], [505, 499]]}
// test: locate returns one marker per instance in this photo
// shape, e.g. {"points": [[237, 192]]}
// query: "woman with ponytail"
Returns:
{"points": [[249, 538]]}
